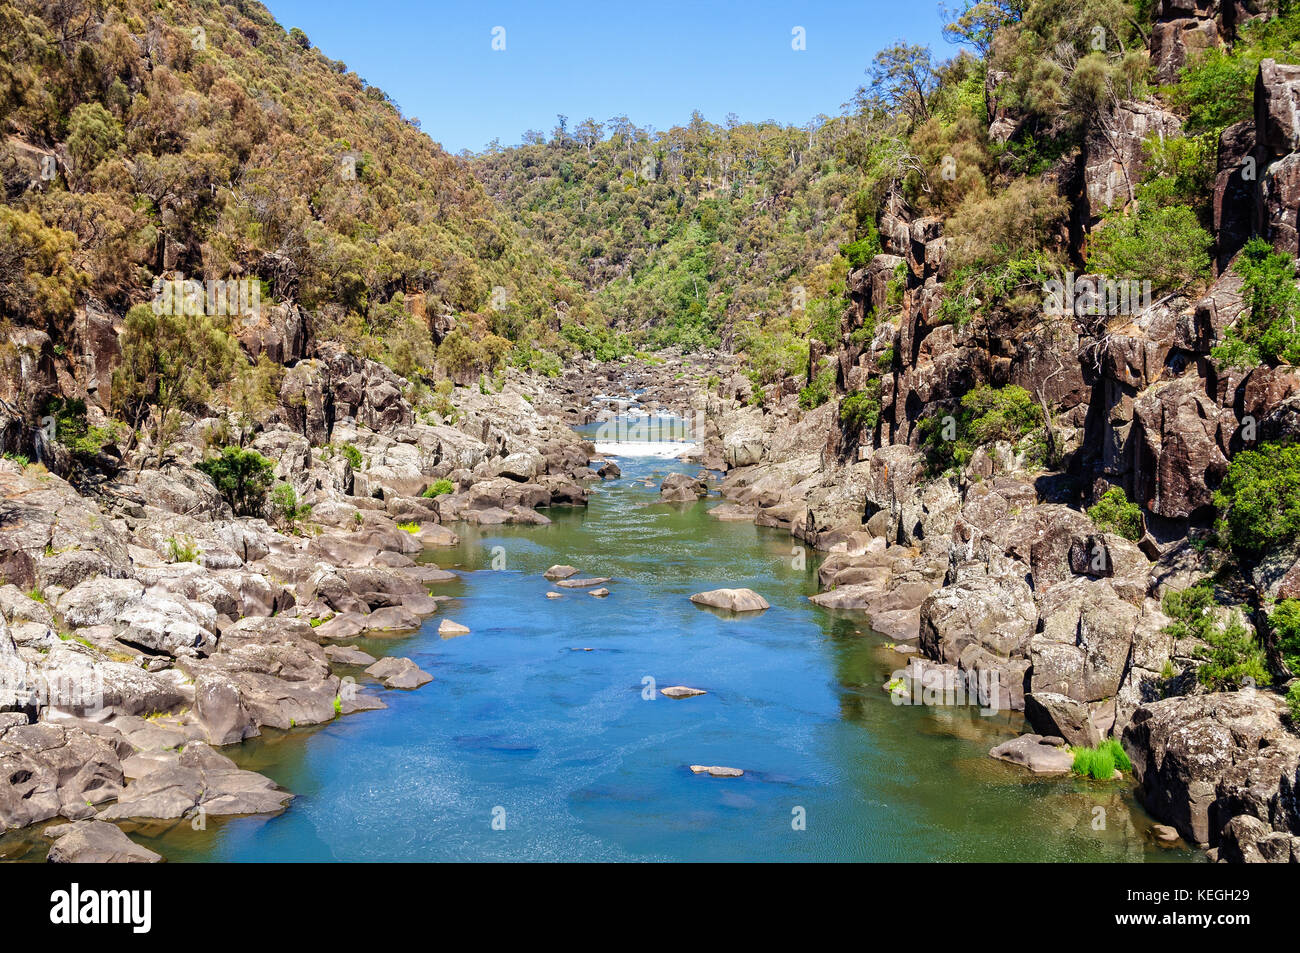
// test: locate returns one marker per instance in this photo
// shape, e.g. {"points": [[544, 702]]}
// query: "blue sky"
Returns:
{"points": [[651, 60]]}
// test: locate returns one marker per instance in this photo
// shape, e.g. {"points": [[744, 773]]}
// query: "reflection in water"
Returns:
{"points": [[560, 748]]}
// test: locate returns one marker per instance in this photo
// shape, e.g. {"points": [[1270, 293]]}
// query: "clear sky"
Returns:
{"points": [[651, 60]]}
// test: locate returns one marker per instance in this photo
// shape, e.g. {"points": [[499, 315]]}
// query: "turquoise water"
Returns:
{"points": [[559, 747]]}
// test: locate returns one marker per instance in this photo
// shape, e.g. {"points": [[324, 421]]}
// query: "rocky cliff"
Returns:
{"points": [[993, 570]]}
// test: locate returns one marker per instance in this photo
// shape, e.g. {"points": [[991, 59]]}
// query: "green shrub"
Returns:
{"points": [[1000, 413], [1164, 244], [241, 477], [859, 253], [861, 409], [1231, 655], [1268, 330], [1285, 619], [1259, 499], [1113, 513], [409, 527], [1095, 763], [353, 455], [84, 442], [439, 488], [815, 394], [1099, 763], [291, 512], [183, 550], [1293, 702]]}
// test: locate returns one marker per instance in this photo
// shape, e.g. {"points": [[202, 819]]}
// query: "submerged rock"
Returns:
{"points": [[735, 600], [681, 691], [582, 583], [716, 770]]}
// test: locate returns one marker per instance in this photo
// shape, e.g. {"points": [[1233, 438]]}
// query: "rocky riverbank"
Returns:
{"points": [[143, 625]]}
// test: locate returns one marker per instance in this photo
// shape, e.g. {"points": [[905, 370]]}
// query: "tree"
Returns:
{"points": [[1165, 245], [291, 511], [242, 478], [1268, 331], [37, 272], [1113, 513], [1259, 499], [903, 79], [978, 21], [93, 132], [170, 363]]}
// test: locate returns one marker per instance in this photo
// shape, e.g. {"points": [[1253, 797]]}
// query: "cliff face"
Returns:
{"points": [[993, 568], [1141, 403]]}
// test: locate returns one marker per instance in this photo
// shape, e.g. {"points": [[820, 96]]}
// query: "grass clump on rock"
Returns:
{"points": [[1099, 763], [439, 488]]}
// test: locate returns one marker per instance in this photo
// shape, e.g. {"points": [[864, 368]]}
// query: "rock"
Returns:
{"points": [[555, 595], [95, 842], [1036, 753], [734, 600], [345, 625], [743, 447], [717, 771], [681, 691], [582, 583], [1164, 833], [1200, 760], [1248, 840], [392, 619], [448, 629], [221, 711], [160, 623], [600, 593], [48, 770], [560, 572], [348, 655], [1053, 714], [399, 673], [1180, 454], [284, 704], [435, 534], [97, 600], [198, 777], [680, 488]]}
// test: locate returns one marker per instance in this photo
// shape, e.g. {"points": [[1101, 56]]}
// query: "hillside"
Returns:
{"points": [[201, 140]]}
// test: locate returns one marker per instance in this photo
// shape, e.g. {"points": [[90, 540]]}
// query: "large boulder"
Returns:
{"points": [[1200, 760], [732, 600], [95, 842]]}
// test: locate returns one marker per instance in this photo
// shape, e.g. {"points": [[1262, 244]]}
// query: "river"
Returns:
{"points": [[541, 739]]}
